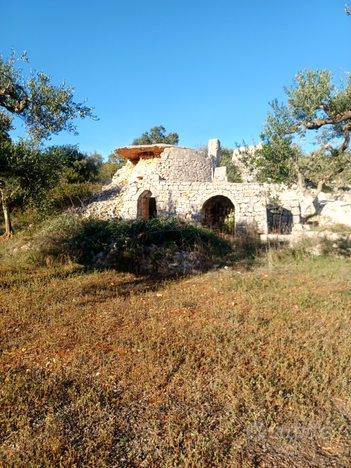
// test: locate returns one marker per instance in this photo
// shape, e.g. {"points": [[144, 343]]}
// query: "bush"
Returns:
{"points": [[64, 196], [137, 245], [125, 245]]}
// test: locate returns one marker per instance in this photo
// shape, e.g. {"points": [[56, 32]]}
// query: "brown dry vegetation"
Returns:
{"points": [[109, 370]]}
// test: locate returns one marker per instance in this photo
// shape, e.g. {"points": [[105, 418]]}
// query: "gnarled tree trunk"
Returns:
{"points": [[8, 227], [310, 197]]}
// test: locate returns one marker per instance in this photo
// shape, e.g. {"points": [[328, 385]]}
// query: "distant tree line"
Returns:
{"points": [[157, 135]]}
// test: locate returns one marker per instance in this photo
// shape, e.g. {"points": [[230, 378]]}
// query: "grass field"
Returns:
{"points": [[230, 368]]}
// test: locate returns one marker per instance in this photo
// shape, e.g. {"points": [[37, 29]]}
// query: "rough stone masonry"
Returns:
{"points": [[168, 181]]}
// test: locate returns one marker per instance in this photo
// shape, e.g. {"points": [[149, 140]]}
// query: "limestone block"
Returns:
{"points": [[214, 151], [220, 174], [296, 219], [129, 204]]}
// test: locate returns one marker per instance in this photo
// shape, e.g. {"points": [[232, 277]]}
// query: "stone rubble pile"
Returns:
{"points": [[318, 239], [334, 209]]}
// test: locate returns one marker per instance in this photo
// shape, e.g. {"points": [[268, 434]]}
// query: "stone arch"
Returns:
{"points": [[225, 193], [218, 212], [147, 204]]}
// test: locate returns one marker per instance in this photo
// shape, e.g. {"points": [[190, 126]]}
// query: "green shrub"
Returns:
{"points": [[64, 196], [138, 241], [125, 245]]}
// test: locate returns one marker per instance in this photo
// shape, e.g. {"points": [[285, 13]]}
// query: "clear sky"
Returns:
{"points": [[201, 68]]}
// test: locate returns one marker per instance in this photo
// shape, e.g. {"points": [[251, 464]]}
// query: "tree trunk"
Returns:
{"points": [[6, 209], [310, 197], [306, 203]]}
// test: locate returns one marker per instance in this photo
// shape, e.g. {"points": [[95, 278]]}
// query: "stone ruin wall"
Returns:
{"points": [[181, 180], [182, 164], [328, 208], [182, 199]]}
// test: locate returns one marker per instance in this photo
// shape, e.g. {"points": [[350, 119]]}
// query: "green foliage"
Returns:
{"points": [[229, 223], [64, 196], [28, 169], [313, 97], [313, 103], [45, 179], [225, 159], [157, 135], [5, 125], [44, 108], [129, 244], [109, 168], [77, 166], [133, 238]]}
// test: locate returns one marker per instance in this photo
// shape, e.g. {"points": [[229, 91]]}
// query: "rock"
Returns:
{"points": [[192, 257], [177, 257], [150, 248], [316, 251]]}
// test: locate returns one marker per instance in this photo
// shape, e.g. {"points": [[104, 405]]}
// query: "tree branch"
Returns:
{"points": [[333, 151], [346, 134], [300, 181], [318, 123], [344, 145], [10, 93]]}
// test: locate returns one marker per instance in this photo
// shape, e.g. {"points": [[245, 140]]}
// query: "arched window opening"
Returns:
{"points": [[218, 213]]}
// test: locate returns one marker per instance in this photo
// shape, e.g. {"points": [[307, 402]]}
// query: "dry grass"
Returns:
{"points": [[106, 369]]}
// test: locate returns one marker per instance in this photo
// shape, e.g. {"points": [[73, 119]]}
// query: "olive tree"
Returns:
{"points": [[29, 170], [314, 105], [157, 135], [45, 110]]}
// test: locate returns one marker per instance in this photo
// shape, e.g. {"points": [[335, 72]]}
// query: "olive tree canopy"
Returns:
{"points": [[46, 110], [157, 135], [315, 105]]}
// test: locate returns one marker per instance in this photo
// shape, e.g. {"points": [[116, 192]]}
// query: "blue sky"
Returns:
{"points": [[201, 68]]}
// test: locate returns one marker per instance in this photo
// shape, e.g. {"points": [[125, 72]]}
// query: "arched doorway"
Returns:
{"points": [[147, 206], [218, 213]]}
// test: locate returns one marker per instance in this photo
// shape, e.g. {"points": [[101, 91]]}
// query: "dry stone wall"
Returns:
{"points": [[184, 164], [182, 199], [181, 181]]}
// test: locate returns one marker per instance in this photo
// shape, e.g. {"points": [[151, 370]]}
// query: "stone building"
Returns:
{"points": [[166, 180]]}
